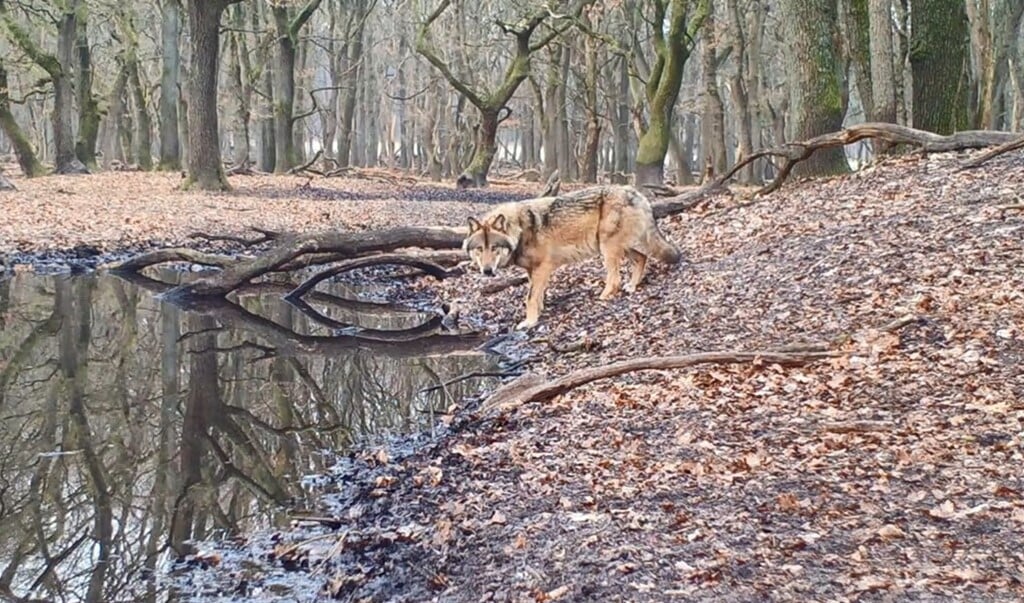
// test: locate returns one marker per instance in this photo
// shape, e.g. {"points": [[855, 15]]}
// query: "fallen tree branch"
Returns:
{"points": [[795, 152], [267, 236], [174, 254], [687, 201], [514, 393], [1006, 147], [384, 259], [345, 243]]}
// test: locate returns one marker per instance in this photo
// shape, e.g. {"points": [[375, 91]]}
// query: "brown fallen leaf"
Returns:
{"points": [[890, 532]]}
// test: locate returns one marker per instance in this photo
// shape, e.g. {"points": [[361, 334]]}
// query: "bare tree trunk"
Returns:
{"points": [[329, 110], [855, 28], [563, 139], [205, 169], [23, 150], [622, 119], [88, 107], [818, 98], [984, 61], [113, 149], [883, 78], [591, 109], [288, 26], [63, 95], [353, 59], [938, 56], [672, 51], [739, 84], [143, 125], [170, 79], [239, 84], [713, 124]]}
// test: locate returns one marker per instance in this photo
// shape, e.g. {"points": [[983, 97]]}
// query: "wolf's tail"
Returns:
{"points": [[660, 248]]}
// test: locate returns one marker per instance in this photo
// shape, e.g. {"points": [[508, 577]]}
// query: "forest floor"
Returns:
{"points": [[891, 472], [60, 221]]}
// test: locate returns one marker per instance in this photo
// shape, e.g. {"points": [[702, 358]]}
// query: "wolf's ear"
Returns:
{"points": [[499, 223], [474, 224]]}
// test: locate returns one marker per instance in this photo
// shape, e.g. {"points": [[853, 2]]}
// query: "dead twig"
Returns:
{"points": [[858, 426], [553, 185], [305, 166], [468, 376], [1006, 147], [503, 284]]}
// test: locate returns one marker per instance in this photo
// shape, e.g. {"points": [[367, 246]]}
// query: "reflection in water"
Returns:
{"points": [[129, 426]]}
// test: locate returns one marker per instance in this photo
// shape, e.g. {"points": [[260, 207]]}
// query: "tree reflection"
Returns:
{"points": [[129, 428]]}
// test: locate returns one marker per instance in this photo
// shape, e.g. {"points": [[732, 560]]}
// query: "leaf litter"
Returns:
{"points": [[890, 472]]}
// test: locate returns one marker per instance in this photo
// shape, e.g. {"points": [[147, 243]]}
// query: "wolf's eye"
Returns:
{"points": [[474, 251]]}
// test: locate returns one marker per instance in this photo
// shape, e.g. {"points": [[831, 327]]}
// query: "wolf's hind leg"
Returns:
{"points": [[639, 261], [612, 262]]}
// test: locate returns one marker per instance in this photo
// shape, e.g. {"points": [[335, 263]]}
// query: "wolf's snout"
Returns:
{"points": [[488, 271]]}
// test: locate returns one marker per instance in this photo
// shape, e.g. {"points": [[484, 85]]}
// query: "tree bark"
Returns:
{"points": [[857, 32], [672, 51], [66, 162], [938, 58], [238, 72], [883, 75], [23, 149], [288, 27], [88, 106], [113, 148], [818, 102], [205, 170], [713, 124], [622, 119], [352, 62], [170, 80], [143, 124], [591, 110], [740, 82]]}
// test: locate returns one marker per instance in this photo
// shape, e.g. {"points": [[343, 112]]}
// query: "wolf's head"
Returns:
{"points": [[490, 244]]}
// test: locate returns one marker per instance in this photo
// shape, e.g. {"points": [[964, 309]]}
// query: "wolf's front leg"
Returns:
{"points": [[539, 279], [612, 262]]}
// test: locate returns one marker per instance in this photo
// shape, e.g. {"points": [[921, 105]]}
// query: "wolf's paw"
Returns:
{"points": [[606, 295], [629, 288], [526, 324]]}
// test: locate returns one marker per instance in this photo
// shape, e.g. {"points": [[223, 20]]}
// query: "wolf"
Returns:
{"points": [[542, 234]]}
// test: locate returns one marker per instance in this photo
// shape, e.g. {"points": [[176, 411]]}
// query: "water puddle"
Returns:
{"points": [[129, 426]]}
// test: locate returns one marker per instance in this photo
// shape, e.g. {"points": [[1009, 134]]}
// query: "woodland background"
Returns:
{"points": [[663, 89]]}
